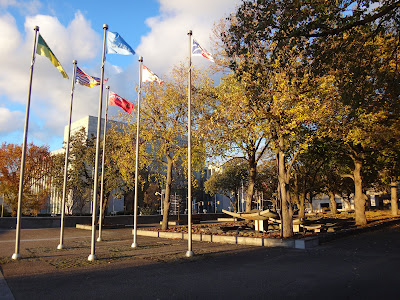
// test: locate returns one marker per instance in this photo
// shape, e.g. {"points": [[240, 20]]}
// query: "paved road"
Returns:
{"points": [[365, 266]]}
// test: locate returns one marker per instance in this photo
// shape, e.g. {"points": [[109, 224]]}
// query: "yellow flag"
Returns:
{"points": [[44, 50]]}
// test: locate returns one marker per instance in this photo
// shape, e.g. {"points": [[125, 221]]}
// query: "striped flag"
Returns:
{"points": [[116, 100], [84, 79], [197, 50]]}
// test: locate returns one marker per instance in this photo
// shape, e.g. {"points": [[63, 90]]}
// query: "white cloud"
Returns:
{"points": [[50, 91], [25, 7], [6, 3], [167, 43], [10, 120], [10, 38]]}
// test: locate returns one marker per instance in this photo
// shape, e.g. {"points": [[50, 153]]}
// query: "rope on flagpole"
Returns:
{"points": [[92, 255], [134, 244], [61, 245], [16, 254], [189, 252], [99, 238]]}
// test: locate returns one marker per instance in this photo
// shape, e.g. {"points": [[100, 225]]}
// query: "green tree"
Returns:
{"points": [[80, 170], [228, 181]]}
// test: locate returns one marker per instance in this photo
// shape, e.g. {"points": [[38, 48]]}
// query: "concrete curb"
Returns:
{"points": [[238, 240]]}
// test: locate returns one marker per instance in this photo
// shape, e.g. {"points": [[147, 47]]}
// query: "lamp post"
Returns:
{"points": [[162, 200]]}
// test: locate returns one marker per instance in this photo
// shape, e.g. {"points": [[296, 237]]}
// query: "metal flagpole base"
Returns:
{"points": [[189, 253], [92, 257], [134, 245], [60, 246], [16, 256], [99, 239]]}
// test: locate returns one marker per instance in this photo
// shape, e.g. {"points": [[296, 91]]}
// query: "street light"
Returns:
{"points": [[160, 194]]}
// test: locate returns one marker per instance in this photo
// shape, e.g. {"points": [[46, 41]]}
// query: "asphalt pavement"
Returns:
{"points": [[363, 266]]}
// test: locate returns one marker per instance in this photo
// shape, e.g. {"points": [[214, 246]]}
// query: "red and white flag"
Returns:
{"points": [[149, 76], [116, 100]]}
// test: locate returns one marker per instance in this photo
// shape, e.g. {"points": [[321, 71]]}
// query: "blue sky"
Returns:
{"points": [[156, 29]]}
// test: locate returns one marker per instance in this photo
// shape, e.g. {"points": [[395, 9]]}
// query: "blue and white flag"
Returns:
{"points": [[117, 45]]}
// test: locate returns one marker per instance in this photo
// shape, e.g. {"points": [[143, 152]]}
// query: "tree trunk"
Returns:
{"points": [[251, 184], [167, 193], [333, 205], [310, 202], [359, 200], [104, 208], [302, 206], [393, 196], [287, 221], [296, 190], [235, 202]]}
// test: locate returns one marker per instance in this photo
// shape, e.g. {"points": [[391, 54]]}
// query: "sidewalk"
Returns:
{"points": [[38, 248], [358, 267]]}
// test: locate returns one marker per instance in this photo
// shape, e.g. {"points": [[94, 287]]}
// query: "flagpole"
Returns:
{"points": [[16, 254], [99, 239], [189, 252], [61, 245], [134, 244], [92, 255]]}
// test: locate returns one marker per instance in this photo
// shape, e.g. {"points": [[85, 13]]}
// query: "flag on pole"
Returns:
{"points": [[117, 45], [44, 50], [116, 100], [84, 79], [149, 76], [197, 50]]}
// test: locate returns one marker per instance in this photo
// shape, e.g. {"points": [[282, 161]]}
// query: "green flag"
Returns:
{"points": [[44, 50]]}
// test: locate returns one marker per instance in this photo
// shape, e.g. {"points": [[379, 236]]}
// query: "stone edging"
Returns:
{"points": [[238, 240]]}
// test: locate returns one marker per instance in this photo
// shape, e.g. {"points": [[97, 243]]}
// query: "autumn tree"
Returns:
{"points": [[281, 23], [389, 173], [113, 183], [306, 174], [262, 30], [36, 189], [367, 97], [234, 129], [288, 107], [163, 132]]}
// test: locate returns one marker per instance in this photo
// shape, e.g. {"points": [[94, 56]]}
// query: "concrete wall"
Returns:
{"points": [[71, 221]]}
